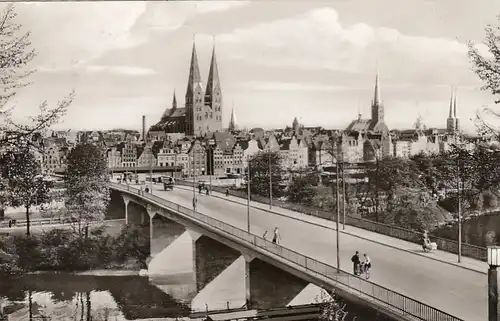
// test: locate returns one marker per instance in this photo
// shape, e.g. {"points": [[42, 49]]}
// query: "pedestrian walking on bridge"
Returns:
{"points": [[276, 235], [356, 261]]}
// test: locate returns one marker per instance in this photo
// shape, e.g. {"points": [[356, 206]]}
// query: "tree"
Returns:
{"points": [[302, 187], [25, 183], [15, 56], [330, 309], [260, 164], [86, 183]]}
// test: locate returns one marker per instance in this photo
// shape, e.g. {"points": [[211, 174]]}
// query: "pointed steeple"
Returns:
{"points": [[174, 102], [376, 95], [450, 115], [213, 82], [455, 104], [232, 123], [194, 72]]}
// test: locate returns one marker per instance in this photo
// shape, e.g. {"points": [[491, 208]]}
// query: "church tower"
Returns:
{"points": [[457, 120], [450, 121], [194, 98], [232, 123], [213, 98], [377, 106]]}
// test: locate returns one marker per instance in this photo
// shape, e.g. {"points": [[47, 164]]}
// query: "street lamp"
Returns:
{"points": [[248, 197], [150, 165], [493, 302], [210, 168], [270, 183], [338, 212], [194, 178]]}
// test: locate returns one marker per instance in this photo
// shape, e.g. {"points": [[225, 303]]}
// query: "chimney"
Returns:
{"points": [[144, 127]]}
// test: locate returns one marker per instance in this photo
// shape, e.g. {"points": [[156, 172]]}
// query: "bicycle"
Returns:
{"points": [[364, 270]]}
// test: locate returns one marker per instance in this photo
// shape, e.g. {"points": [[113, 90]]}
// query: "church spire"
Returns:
{"points": [[232, 123], [455, 104], [377, 106], [450, 115], [194, 72], [376, 95], [174, 102], [213, 82]]}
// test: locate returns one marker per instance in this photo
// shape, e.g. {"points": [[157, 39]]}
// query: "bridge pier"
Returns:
{"points": [[210, 258], [268, 286], [126, 200]]}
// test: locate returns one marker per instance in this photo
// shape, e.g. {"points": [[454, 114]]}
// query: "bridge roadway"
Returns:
{"points": [[452, 289]]}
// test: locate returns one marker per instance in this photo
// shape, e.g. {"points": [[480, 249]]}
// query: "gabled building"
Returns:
{"points": [[294, 154], [197, 159], [129, 154], [147, 157], [114, 156]]}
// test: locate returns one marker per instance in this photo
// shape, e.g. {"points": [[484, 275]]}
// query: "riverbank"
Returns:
{"points": [[97, 253]]}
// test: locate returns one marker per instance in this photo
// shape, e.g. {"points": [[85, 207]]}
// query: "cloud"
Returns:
{"points": [[119, 70], [317, 39], [69, 33], [288, 86], [123, 70], [174, 15]]}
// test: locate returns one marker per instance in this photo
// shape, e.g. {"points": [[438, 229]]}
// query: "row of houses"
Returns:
{"points": [[219, 154]]}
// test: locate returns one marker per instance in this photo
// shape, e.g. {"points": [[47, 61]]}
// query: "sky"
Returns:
{"points": [[314, 60]]}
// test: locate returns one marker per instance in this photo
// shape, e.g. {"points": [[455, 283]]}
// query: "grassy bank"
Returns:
{"points": [[65, 250]]}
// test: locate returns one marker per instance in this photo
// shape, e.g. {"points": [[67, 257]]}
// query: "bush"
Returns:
{"points": [[64, 250]]}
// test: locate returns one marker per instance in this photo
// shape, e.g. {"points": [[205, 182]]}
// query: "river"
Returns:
{"points": [[480, 230], [99, 298]]}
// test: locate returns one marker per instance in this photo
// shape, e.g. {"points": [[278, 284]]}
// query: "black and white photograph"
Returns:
{"points": [[261, 160]]}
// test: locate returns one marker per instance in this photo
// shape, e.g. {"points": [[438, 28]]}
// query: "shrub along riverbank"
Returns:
{"points": [[65, 250]]}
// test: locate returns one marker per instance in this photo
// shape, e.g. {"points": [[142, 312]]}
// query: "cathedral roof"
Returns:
{"points": [[359, 125]]}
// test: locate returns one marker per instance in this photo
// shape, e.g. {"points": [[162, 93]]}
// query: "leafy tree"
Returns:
{"points": [[15, 58], [86, 183], [260, 164], [330, 309], [302, 187], [26, 185], [386, 177]]}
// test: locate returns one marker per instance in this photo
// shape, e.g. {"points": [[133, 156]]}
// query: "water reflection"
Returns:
{"points": [[480, 231], [98, 298], [70, 297]]}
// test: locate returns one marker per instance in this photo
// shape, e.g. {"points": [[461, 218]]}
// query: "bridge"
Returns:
{"points": [[403, 285]]}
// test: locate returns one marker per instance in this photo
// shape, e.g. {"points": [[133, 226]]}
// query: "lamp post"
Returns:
{"points": [[210, 170], [459, 209], [151, 166], [343, 190], [248, 197], [338, 213], [493, 279], [270, 182], [194, 179]]}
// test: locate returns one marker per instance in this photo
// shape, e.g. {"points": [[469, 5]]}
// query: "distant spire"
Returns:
{"points": [[213, 76], [194, 71], [174, 102], [450, 115], [232, 123], [455, 104], [376, 95]]}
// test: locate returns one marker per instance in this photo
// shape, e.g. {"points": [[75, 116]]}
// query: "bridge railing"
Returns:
{"points": [[451, 246], [376, 292]]}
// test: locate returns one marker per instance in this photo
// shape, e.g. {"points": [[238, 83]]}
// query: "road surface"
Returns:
{"points": [[460, 292]]}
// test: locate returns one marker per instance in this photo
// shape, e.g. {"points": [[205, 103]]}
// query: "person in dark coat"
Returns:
{"points": [[356, 261]]}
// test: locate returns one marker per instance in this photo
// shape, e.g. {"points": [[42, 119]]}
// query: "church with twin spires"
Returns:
{"points": [[202, 111]]}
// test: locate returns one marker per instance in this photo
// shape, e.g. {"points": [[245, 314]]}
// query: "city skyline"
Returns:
{"points": [[273, 60]]}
